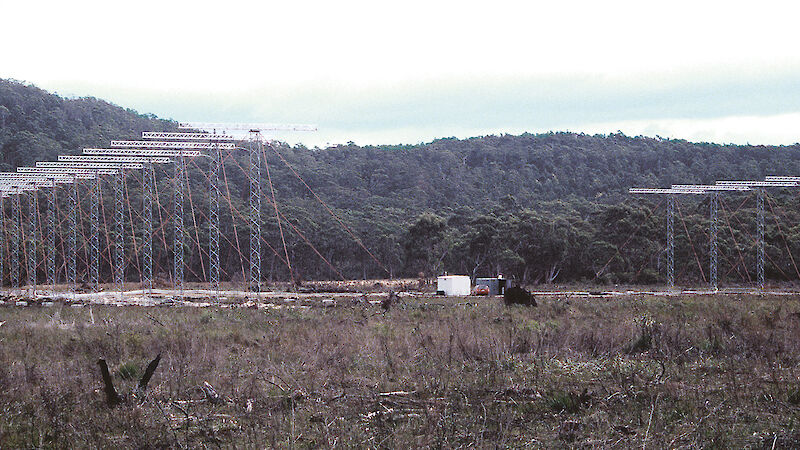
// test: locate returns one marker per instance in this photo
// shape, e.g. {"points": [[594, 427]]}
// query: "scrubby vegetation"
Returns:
{"points": [[639, 371]]}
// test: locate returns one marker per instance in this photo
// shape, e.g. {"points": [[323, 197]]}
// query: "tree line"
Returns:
{"points": [[549, 207]]}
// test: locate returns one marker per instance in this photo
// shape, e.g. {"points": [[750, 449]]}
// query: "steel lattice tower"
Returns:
{"points": [[713, 191], [15, 240], [255, 212], [148, 179], [178, 218], [3, 240], [670, 241], [213, 216], [72, 241], [94, 235], [51, 236], [33, 209], [713, 250], [119, 231], [760, 249]]}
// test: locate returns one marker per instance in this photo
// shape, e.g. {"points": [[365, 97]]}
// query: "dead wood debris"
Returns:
{"points": [[112, 397]]}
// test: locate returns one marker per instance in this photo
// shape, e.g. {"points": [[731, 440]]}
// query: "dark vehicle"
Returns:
{"points": [[481, 289]]}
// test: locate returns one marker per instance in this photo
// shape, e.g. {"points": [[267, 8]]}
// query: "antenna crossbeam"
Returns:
{"points": [[196, 136], [712, 187], [171, 145], [16, 189], [56, 177], [17, 175], [71, 170], [90, 165], [42, 182], [785, 179], [141, 152], [665, 191], [246, 126], [112, 159], [759, 183]]}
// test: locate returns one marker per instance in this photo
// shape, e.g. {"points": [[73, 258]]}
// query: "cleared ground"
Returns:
{"points": [[340, 370]]}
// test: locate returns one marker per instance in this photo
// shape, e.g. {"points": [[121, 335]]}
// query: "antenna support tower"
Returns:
{"points": [[119, 231], [255, 149], [255, 212], [180, 187], [769, 182], [16, 239], [148, 182]]}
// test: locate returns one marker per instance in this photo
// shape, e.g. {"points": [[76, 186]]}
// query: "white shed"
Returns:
{"points": [[454, 285]]}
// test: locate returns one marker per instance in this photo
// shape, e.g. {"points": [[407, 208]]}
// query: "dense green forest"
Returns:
{"points": [[542, 208]]}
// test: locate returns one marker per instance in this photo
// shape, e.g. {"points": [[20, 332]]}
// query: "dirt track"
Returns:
{"points": [[326, 295]]}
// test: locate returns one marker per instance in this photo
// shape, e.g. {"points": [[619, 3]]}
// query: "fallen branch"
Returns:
{"points": [[385, 394]]}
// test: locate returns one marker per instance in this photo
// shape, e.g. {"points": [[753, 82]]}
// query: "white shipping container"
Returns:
{"points": [[454, 285]]}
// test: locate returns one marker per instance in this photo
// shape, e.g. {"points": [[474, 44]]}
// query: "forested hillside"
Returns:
{"points": [[36, 125], [547, 207]]}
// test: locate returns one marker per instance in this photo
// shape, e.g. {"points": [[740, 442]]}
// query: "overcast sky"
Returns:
{"points": [[407, 72]]}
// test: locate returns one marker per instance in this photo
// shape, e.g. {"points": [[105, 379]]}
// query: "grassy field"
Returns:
{"points": [[692, 371]]}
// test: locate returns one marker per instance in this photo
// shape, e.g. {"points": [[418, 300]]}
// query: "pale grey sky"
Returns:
{"points": [[407, 72]]}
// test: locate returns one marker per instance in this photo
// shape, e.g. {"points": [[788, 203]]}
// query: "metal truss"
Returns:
{"points": [[94, 236], [767, 183], [690, 189], [783, 179], [3, 240], [72, 237], [760, 226], [712, 271], [51, 236], [141, 152], [255, 213], [33, 209], [16, 239], [170, 145], [148, 181], [198, 136], [250, 127], [119, 231], [24, 184], [180, 187], [105, 159], [670, 241], [9, 186], [69, 170], [665, 191], [13, 188], [213, 222], [710, 187], [760, 250], [34, 177], [89, 165]]}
